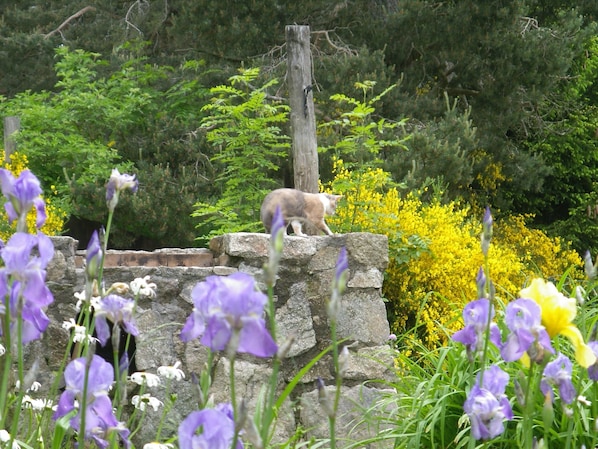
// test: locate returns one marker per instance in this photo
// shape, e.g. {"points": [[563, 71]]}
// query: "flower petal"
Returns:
{"points": [[583, 353]]}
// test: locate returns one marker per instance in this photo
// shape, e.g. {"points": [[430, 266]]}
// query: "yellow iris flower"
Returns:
{"points": [[558, 313]]}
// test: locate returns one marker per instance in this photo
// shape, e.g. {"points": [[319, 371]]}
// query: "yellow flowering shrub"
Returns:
{"points": [[550, 255], [435, 251], [56, 217], [368, 199]]}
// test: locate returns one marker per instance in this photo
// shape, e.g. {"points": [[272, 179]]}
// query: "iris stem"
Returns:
{"points": [[165, 409], [21, 393], [7, 363], [488, 321], [83, 404], [338, 379], [528, 421], [234, 401], [269, 411], [104, 249]]}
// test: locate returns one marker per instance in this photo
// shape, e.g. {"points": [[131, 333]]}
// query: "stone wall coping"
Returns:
{"points": [[163, 257]]}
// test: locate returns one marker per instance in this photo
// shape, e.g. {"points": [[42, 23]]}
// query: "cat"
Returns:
{"points": [[299, 208]]}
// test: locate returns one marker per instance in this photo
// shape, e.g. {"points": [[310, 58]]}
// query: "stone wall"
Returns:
{"points": [[301, 292]]}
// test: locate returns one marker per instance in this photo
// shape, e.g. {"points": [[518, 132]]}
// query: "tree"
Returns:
{"points": [[566, 205]]}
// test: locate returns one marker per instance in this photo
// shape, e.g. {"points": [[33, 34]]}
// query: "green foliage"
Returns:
{"points": [[444, 150], [67, 137], [356, 135], [494, 58], [429, 396], [244, 128], [566, 204], [134, 117]]}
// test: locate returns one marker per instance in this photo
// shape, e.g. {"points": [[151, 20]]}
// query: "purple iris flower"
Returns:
{"points": [[475, 317], [277, 222], [339, 284], [93, 256], [523, 318], [118, 310], [486, 231], [217, 429], [99, 417], [487, 406], [342, 265], [23, 279], [34, 321], [116, 184], [227, 305], [558, 373], [480, 282], [593, 370], [277, 233], [22, 193]]}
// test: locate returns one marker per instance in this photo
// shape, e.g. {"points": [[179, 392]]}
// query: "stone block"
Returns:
{"points": [[246, 245], [370, 278], [363, 318], [324, 259], [370, 363], [294, 321], [370, 250]]}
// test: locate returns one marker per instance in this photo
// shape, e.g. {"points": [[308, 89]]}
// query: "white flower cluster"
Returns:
{"points": [[138, 287], [5, 438], [95, 300], [142, 287], [155, 445], [143, 378], [152, 380], [37, 404], [172, 372], [79, 332], [141, 402]]}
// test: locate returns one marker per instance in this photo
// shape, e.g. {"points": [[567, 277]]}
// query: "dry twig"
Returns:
{"points": [[67, 21]]}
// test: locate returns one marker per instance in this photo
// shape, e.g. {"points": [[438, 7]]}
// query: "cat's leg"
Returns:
{"points": [[324, 227], [297, 229]]}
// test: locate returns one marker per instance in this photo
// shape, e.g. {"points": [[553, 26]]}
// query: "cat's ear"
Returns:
{"points": [[338, 197]]}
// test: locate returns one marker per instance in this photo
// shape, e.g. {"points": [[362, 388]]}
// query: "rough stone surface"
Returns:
{"points": [[369, 364], [372, 278], [301, 293], [360, 416], [363, 318], [293, 314]]}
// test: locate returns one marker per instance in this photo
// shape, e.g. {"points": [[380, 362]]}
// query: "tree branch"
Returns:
{"points": [[67, 21]]}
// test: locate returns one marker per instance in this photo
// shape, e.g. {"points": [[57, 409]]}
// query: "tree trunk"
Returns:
{"points": [[303, 120], [11, 125]]}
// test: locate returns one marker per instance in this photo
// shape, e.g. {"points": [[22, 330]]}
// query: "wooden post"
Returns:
{"points": [[11, 125], [303, 120]]}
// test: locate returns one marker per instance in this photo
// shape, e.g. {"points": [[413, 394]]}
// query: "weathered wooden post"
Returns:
{"points": [[11, 125], [303, 119]]}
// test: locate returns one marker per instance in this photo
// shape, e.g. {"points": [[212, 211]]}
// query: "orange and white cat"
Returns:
{"points": [[299, 208]]}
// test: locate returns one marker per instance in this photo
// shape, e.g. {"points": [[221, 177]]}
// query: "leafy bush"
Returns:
{"points": [[244, 127], [136, 119]]}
